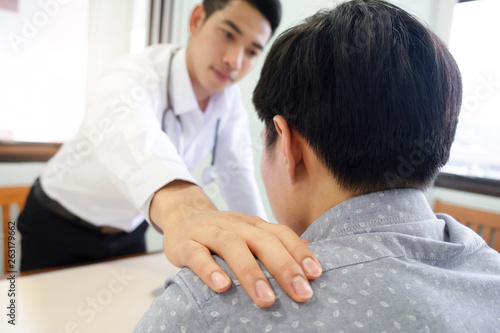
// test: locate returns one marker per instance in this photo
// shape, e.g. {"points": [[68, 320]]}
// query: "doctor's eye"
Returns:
{"points": [[228, 34], [252, 53]]}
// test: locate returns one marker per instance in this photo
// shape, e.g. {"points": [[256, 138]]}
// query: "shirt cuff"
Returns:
{"points": [[143, 184]]}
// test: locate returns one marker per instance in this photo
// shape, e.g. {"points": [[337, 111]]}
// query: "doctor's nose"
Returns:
{"points": [[233, 58]]}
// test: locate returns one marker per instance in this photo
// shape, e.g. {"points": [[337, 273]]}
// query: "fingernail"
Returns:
{"points": [[311, 267], [302, 287], [218, 280], [264, 292]]}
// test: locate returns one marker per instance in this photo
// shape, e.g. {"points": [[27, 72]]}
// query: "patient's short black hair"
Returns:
{"points": [[270, 9], [374, 92]]}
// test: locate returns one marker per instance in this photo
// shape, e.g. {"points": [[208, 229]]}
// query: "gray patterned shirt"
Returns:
{"points": [[389, 264]]}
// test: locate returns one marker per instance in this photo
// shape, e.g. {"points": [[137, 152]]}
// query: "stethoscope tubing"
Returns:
{"points": [[179, 125]]}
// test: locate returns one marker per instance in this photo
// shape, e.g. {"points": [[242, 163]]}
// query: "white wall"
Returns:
{"points": [[437, 14], [110, 26], [19, 173]]}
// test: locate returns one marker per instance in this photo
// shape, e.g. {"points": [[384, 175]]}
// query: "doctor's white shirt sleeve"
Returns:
{"points": [[136, 154], [235, 164]]}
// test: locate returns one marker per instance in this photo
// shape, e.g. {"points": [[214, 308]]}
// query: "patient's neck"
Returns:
{"points": [[322, 194]]}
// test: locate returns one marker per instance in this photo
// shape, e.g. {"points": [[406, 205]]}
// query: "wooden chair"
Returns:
{"points": [[486, 224], [10, 196]]}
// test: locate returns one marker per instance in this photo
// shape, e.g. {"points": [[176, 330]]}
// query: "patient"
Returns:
{"points": [[360, 105]]}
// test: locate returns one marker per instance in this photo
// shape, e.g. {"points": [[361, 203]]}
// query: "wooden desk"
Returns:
{"points": [[105, 297]]}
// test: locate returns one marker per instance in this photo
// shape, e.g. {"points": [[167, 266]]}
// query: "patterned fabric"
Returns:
{"points": [[389, 265]]}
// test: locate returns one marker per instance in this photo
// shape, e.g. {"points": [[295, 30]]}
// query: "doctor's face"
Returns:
{"points": [[225, 47]]}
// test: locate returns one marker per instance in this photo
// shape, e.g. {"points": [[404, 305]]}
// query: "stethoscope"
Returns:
{"points": [[209, 174]]}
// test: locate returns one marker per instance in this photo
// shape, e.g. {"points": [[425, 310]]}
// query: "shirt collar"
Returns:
{"points": [[219, 103], [367, 212], [182, 92]]}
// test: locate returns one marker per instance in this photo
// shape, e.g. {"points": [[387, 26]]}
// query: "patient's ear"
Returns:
{"points": [[290, 150]]}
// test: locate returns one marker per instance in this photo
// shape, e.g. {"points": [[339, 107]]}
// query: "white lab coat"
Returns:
{"points": [[107, 174]]}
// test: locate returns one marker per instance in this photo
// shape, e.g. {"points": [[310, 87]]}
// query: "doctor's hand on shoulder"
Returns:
{"points": [[193, 228]]}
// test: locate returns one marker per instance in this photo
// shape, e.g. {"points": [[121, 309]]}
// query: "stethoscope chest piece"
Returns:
{"points": [[208, 175]]}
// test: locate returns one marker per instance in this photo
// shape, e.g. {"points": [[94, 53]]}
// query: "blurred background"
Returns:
{"points": [[52, 51]]}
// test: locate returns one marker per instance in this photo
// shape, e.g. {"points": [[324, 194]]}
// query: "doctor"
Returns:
{"points": [[152, 118]]}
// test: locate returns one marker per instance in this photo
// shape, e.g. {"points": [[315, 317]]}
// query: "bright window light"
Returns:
{"points": [[475, 45], [43, 66]]}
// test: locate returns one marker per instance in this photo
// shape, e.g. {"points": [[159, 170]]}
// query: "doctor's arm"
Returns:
{"points": [[193, 228]]}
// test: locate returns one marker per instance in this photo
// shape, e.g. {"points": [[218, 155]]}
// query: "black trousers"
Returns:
{"points": [[49, 240]]}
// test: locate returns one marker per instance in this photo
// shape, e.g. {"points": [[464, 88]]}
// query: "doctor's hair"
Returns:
{"points": [[270, 9], [374, 92]]}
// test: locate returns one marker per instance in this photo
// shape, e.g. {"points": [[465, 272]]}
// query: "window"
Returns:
{"points": [[475, 156], [53, 50], [43, 61]]}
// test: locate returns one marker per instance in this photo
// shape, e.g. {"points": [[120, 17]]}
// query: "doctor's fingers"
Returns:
{"points": [[233, 249], [296, 246], [259, 240], [279, 249], [284, 255], [190, 253]]}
